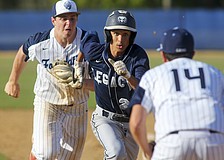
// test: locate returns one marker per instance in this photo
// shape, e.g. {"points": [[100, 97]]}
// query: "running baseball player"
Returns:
{"points": [[60, 111], [187, 100], [117, 67]]}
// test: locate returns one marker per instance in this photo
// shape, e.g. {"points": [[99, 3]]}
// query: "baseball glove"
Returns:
{"points": [[62, 71], [65, 74]]}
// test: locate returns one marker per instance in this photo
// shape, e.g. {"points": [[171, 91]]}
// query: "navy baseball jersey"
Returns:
{"points": [[113, 92]]}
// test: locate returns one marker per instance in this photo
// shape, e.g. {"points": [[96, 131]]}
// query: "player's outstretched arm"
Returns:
{"points": [[138, 129], [88, 84], [79, 67], [12, 87], [133, 82], [80, 57], [80, 81], [78, 74]]}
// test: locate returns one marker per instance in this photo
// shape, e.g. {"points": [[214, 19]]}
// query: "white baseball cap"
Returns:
{"points": [[64, 6]]}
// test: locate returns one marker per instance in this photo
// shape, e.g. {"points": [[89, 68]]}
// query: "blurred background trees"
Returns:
{"points": [[110, 4]]}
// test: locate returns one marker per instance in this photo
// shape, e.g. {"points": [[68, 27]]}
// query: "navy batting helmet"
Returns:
{"points": [[120, 19]]}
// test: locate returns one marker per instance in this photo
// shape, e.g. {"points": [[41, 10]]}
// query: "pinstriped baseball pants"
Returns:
{"points": [[190, 145], [59, 132]]}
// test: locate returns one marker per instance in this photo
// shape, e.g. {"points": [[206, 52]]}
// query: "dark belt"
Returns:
{"points": [[211, 131], [116, 117]]}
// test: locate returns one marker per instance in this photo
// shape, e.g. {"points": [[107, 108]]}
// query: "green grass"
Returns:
{"points": [[27, 79], [26, 82], [2, 157]]}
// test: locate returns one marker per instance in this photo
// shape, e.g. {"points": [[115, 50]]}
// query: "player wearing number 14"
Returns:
{"points": [[187, 99]]}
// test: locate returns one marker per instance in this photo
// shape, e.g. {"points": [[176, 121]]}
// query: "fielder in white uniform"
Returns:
{"points": [[60, 111], [187, 100]]}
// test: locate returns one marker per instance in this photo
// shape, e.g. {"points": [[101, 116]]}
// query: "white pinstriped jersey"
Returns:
{"points": [[184, 94], [47, 51]]}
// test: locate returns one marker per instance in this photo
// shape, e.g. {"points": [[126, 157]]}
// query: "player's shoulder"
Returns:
{"points": [[213, 73], [194, 64], [90, 37], [138, 51], [36, 38], [40, 36], [90, 45], [81, 31], [207, 65], [138, 48]]}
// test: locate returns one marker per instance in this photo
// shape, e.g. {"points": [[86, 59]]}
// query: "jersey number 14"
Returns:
{"points": [[201, 77]]}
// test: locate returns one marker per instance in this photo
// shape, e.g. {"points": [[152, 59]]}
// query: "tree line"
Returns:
{"points": [[111, 4]]}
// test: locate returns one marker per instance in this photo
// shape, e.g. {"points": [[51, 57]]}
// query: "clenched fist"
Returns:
{"points": [[120, 68]]}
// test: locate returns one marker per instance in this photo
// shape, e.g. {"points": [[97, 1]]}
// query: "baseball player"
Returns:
{"points": [[117, 67], [187, 100], [60, 111]]}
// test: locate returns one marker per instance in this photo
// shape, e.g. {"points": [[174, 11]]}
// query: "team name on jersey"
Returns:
{"points": [[48, 64], [101, 77]]}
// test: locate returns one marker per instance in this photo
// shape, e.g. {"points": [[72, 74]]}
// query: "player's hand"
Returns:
{"points": [[12, 89], [148, 153], [152, 145], [78, 75], [120, 68], [77, 84]]}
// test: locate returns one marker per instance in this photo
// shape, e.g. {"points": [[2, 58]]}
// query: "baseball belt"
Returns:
{"points": [[206, 130], [111, 115]]}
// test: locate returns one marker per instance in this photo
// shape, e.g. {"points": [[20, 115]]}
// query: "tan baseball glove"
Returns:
{"points": [[62, 71], [65, 73]]}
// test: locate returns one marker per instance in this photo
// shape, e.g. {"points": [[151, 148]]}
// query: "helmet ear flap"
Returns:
{"points": [[132, 37], [107, 35]]}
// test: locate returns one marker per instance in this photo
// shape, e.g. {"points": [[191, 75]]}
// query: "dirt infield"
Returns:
{"points": [[16, 131], [16, 124]]}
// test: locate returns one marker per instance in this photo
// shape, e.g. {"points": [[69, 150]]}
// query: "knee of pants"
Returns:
{"points": [[116, 153], [44, 155]]}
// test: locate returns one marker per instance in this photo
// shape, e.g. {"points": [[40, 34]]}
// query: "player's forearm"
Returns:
{"points": [[137, 121], [18, 66], [80, 57], [139, 135], [88, 84], [138, 128], [133, 82]]}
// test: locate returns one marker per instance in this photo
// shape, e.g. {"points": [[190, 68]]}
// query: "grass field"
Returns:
{"points": [[215, 58], [27, 79]]}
